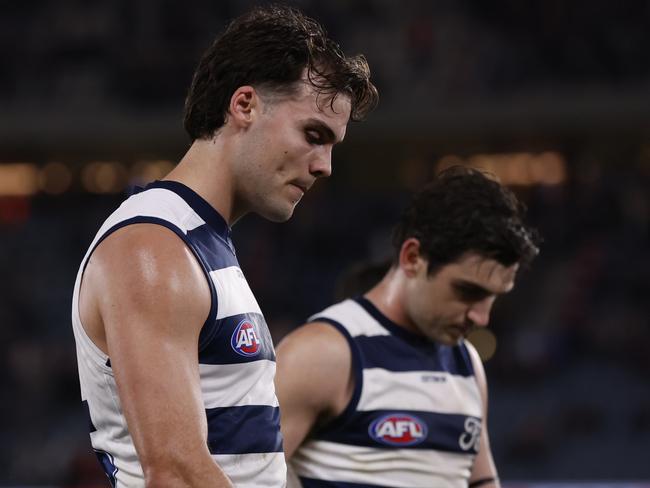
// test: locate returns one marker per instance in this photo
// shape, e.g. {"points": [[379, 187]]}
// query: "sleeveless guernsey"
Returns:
{"points": [[414, 419], [236, 355]]}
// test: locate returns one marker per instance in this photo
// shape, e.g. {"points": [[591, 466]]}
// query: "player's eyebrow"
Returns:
{"points": [[327, 134], [472, 291]]}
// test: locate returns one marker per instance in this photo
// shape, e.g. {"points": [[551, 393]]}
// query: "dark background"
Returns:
{"points": [[551, 96]]}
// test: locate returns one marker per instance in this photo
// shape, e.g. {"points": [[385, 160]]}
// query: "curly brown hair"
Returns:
{"points": [[465, 210], [270, 48]]}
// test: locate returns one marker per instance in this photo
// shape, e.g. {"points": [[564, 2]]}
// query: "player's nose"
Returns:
{"points": [[479, 313], [321, 165]]}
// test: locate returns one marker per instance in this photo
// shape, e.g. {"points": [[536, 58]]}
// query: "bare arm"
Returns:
{"points": [[313, 380], [146, 298], [484, 468]]}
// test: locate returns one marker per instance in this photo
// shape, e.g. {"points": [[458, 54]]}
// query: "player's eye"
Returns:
{"points": [[469, 293], [313, 136]]}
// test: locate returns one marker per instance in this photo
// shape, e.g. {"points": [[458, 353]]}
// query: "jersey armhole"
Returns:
{"points": [[357, 371], [209, 327]]}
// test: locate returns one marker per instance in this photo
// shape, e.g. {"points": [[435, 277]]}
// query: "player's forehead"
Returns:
{"points": [[309, 104], [485, 272]]}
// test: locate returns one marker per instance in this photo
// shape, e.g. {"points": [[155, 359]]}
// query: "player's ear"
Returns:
{"points": [[243, 103], [410, 260]]}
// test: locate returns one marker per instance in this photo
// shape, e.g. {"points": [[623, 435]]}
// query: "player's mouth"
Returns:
{"points": [[297, 191], [302, 185]]}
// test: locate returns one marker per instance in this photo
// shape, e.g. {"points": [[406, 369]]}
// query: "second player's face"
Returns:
{"points": [[445, 306], [290, 146]]}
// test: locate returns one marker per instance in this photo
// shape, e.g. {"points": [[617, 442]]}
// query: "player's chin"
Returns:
{"points": [[278, 213]]}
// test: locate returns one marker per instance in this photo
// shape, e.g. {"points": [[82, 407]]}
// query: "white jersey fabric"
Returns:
{"points": [[236, 355], [414, 420]]}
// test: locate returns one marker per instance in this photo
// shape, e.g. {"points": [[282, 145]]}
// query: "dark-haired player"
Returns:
{"points": [[382, 390], [176, 363]]}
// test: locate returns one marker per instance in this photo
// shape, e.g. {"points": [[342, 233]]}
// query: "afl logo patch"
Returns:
{"points": [[398, 429], [245, 339]]}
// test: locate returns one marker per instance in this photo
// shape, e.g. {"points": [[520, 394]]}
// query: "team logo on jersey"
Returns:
{"points": [[398, 429], [245, 340], [471, 438]]}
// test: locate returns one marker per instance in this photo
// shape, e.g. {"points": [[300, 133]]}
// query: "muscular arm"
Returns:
{"points": [[484, 468], [313, 380], [144, 299]]}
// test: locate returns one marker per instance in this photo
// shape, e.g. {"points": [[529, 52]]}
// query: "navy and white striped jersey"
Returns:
{"points": [[236, 355], [414, 419]]}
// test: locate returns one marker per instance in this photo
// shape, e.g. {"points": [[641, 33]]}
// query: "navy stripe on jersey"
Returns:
{"points": [[108, 465], [442, 430], [453, 359], [393, 354], [243, 430], [224, 257], [312, 483], [86, 409], [221, 351], [199, 205]]}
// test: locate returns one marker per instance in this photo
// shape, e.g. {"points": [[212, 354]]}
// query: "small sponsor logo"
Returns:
{"points": [[245, 339], [398, 429], [434, 378]]}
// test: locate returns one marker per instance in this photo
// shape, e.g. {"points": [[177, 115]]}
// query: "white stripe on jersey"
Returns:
{"points": [[242, 468], [229, 385], [159, 203], [356, 320], [415, 390], [235, 296], [415, 468]]}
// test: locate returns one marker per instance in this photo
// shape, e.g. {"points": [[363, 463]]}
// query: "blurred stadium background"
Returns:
{"points": [[552, 96]]}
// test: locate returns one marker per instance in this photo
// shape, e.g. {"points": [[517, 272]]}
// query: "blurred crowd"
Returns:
{"points": [[141, 54]]}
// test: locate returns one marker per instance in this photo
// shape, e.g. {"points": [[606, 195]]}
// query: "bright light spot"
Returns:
{"points": [[484, 341], [147, 171], [518, 169], [484, 162], [104, 177], [18, 179], [449, 161], [54, 178], [554, 168]]}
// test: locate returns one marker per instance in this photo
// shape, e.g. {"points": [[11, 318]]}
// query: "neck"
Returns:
{"points": [[388, 297], [206, 169]]}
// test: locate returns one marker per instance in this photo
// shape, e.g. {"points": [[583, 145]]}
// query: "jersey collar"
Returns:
{"points": [[206, 211]]}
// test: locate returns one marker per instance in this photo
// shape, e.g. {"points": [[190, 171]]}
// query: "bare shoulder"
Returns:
{"points": [[316, 359], [146, 254], [145, 245], [142, 271], [319, 341]]}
